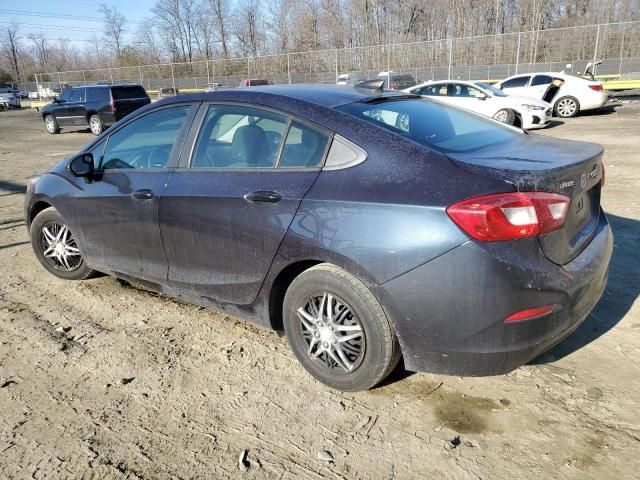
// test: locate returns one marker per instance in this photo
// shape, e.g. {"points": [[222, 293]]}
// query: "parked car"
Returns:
{"points": [[349, 79], [568, 94], [482, 98], [464, 245], [255, 82], [397, 81], [8, 98], [97, 106]]}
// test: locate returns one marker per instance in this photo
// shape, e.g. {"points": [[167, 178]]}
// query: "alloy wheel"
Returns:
{"points": [[49, 123], [333, 333], [566, 107], [94, 124], [501, 116], [59, 248]]}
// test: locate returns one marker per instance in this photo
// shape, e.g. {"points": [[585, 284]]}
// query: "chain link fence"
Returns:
{"points": [[491, 57]]}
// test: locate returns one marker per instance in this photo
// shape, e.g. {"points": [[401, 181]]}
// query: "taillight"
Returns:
{"points": [[596, 88], [510, 216], [112, 103]]}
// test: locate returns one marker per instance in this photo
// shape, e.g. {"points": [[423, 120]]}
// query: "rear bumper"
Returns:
{"points": [[449, 313], [594, 100]]}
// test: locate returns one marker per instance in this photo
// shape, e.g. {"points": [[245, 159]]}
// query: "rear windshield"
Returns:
{"points": [[442, 127], [258, 81], [128, 93]]}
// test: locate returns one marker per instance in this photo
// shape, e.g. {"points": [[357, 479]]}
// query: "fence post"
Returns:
{"points": [[248, 75], [84, 78], [59, 82], [173, 79], [140, 73], [595, 50], [111, 75], [450, 57], [337, 66], [621, 51], [518, 53], [289, 68], [213, 73]]}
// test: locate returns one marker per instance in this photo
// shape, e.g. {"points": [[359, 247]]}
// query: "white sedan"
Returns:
{"points": [[568, 94], [482, 98]]}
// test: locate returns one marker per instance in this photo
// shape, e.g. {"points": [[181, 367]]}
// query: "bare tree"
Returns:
{"points": [[10, 48], [178, 20], [221, 13], [114, 23], [40, 50]]}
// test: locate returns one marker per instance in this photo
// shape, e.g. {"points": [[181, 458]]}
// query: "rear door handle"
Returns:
{"points": [[263, 197], [143, 194]]}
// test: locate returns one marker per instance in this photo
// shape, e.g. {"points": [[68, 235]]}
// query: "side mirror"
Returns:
{"points": [[82, 166]]}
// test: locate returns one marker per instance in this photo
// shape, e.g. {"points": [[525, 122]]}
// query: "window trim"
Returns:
{"points": [[173, 156], [186, 156]]}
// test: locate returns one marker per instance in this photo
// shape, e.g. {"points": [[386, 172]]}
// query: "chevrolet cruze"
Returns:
{"points": [[368, 225]]}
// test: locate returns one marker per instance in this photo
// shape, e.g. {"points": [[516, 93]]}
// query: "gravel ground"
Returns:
{"points": [[102, 380]]}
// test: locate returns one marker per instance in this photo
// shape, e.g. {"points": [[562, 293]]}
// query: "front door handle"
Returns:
{"points": [[263, 197], [143, 194]]}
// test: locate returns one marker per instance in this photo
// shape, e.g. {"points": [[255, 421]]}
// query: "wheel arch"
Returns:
{"points": [[37, 207]]}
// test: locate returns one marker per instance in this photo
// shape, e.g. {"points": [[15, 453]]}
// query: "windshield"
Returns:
{"points": [[436, 125], [492, 89]]}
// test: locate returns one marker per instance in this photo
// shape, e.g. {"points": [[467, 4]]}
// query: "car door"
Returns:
{"points": [[61, 110], [76, 106], [227, 208], [469, 97], [117, 214], [539, 86], [516, 85]]}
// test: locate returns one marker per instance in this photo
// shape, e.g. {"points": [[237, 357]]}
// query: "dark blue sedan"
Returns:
{"points": [[367, 225]]}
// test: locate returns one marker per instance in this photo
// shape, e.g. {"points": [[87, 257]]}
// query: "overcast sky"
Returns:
{"points": [[72, 19]]}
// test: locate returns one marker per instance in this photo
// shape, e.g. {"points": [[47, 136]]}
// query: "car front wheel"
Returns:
{"points": [[51, 125], [338, 330], [505, 116], [567, 107], [56, 248]]}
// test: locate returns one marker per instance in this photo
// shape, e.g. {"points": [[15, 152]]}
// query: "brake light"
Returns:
{"points": [[529, 313], [510, 216], [596, 88]]}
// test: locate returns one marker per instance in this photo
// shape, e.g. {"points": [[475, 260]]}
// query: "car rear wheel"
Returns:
{"points": [[51, 125], [505, 116], [567, 107], [96, 125], [56, 248], [338, 330]]}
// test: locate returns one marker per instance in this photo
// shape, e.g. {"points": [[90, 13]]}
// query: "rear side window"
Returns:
{"points": [[234, 136], [541, 80], [98, 94], [147, 141], [439, 126], [304, 147], [516, 82], [128, 93]]}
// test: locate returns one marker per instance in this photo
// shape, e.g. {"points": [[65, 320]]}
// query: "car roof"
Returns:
{"points": [[108, 85], [330, 96]]}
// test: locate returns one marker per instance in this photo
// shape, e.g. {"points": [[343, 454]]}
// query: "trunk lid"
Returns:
{"points": [[541, 164]]}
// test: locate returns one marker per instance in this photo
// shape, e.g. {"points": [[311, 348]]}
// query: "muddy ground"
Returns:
{"points": [[102, 380]]}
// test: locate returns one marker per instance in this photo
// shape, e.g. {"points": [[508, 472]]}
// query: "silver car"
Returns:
{"points": [[8, 98]]}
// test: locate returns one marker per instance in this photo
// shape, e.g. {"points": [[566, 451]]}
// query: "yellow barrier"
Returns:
{"points": [[39, 105], [618, 85]]}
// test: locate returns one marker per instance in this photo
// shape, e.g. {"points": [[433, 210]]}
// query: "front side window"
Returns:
{"points": [[234, 136], [304, 147], [434, 91], [516, 82], [439, 126], [77, 95], [147, 141]]}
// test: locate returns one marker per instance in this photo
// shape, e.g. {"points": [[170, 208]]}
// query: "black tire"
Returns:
{"points": [[380, 351], [95, 124], [51, 125], [566, 107], [49, 218], [505, 115]]}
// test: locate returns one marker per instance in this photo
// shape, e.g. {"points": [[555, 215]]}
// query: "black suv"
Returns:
{"points": [[97, 106]]}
